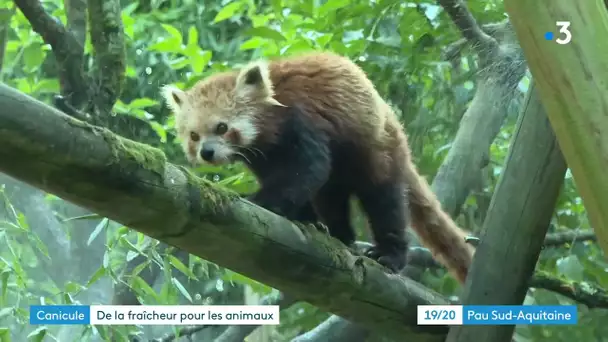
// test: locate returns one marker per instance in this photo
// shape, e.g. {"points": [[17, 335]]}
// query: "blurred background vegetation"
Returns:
{"points": [[52, 252]]}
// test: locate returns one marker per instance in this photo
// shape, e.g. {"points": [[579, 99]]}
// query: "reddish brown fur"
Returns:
{"points": [[343, 102]]}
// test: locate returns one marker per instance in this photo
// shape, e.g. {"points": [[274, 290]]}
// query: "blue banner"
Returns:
{"points": [[519, 315], [60, 314]]}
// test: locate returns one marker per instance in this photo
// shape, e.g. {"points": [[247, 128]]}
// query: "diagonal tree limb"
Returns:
{"points": [[485, 45], [496, 86], [517, 222], [133, 184], [67, 50]]}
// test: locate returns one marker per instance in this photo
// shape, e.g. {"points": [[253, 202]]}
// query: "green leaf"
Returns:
{"points": [[160, 130], [143, 102], [181, 267], [22, 221], [106, 259], [102, 330], [100, 226], [297, 47], [83, 217], [129, 24], [179, 63], [277, 7], [166, 45], [67, 298], [5, 14], [47, 85], [72, 287], [193, 36], [5, 335], [324, 39], [228, 11], [265, 32], [331, 6], [570, 267], [181, 289], [140, 285], [257, 287], [6, 312], [200, 60], [251, 44], [5, 275], [96, 276], [40, 245], [174, 32], [33, 55], [137, 270]]}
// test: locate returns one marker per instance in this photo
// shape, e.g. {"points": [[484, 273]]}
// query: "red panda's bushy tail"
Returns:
{"points": [[435, 228]]}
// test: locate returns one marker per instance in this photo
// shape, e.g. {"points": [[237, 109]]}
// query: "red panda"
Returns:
{"points": [[314, 131]]}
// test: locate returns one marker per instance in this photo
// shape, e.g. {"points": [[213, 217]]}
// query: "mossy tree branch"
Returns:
{"points": [[107, 37], [133, 184], [76, 13], [584, 293]]}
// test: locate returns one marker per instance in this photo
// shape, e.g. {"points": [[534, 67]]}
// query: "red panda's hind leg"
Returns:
{"points": [[386, 208]]}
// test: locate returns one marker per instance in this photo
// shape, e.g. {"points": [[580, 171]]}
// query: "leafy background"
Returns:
{"points": [[54, 252]]}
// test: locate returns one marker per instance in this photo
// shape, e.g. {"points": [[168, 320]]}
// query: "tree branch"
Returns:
{"points": [[134, 185], [570, 236], [9, 12], [335, 329], [483, 44], [576, 104], [238, 333], [107, 37], [479, 126], [585, 293], [517, 222], [68, 52], [76, 12]]}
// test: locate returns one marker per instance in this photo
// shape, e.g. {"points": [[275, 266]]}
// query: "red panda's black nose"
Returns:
{"points": [[207, 153]]}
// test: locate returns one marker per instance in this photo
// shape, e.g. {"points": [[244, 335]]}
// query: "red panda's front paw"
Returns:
{"points": [[394, 261]]}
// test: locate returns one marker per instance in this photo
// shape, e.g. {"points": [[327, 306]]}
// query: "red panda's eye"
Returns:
{"points": [[194, 136], [221, 128]]}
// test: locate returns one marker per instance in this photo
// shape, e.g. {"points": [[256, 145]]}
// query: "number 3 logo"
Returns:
{"points": [[563, 29]]}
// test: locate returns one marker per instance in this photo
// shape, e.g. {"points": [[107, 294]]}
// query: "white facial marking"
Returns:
{"points": [[246, 128]]}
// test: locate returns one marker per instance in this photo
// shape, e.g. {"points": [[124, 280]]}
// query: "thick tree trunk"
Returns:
{"points": [[517, 222], [571, 80]]}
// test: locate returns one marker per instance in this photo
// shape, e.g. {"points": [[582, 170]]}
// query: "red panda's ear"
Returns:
{"points": [[254, 81], [174, 97]]}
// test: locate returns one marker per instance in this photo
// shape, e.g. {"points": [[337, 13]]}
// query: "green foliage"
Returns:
{"points": [[398, 44]]}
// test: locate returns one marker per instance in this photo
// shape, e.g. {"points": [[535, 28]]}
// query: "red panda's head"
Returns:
{"points": [[218, 116]]}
